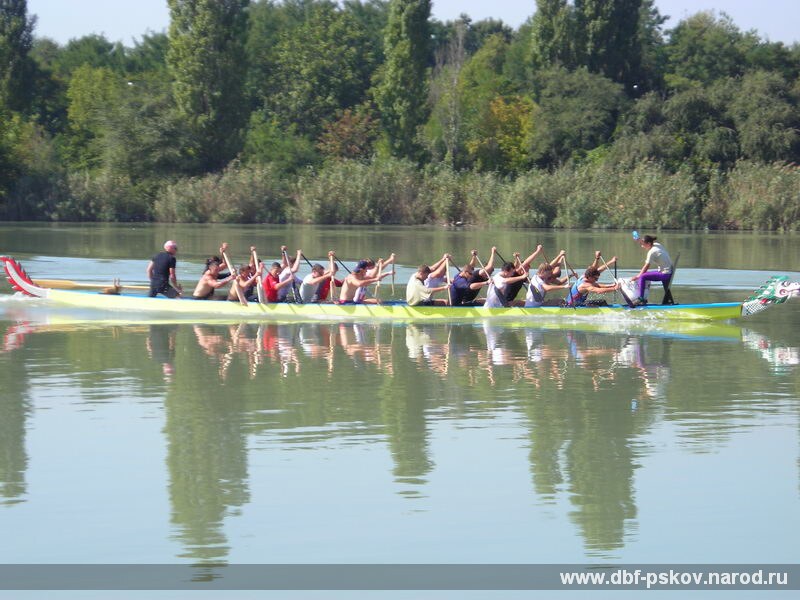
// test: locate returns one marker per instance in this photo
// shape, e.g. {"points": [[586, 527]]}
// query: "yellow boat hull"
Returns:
{"points": [[396, 312]]}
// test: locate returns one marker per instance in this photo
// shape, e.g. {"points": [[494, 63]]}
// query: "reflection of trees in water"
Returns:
{"points": [[720, 391], [313, 382], [403, 406], [206, 450], [582, 431], [14, 410]]}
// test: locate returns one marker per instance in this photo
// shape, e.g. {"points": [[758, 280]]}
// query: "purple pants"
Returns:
{"points": [[651, 276]]}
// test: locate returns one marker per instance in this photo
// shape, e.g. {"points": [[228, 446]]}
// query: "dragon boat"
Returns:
{"points": [[776, 290]]}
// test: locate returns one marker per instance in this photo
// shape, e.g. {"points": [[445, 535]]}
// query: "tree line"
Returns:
{"points": [[591, 114]]}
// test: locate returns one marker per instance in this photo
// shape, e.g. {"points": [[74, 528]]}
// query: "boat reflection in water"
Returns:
{"points": [[584, 398]]}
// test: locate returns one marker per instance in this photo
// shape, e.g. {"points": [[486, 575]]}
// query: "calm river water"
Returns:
{"points": [[139, 442]]}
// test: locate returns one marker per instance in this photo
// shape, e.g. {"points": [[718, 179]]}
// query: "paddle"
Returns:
{"points": [[66, 284], [571, 272], [259, 281], [344, 265], [308, 262], [332, 284], [378, 283], [232, 271], [447, 274], [295, 293], [619, 286]]}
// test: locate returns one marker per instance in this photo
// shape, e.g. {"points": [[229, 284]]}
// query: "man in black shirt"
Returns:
{"points": [[161, 272]]}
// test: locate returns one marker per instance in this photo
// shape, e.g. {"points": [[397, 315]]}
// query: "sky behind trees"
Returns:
{"points": [[125, 20]]}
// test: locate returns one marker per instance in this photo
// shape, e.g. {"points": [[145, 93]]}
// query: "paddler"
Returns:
{"points": [[580, 290], [418, 293], [469, 281], [657, 266], [522, 268], [545, 280], [246, 281], [161, 272], [358, 279], [210, 281]]}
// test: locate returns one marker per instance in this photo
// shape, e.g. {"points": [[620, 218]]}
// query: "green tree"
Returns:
{"points": [[702, 49], [92, 91], [578, 112], [8, 163], [653, 51], [552, 35], [766, 116], [142, 135], [401, 95], [16, 67], [92, 50], [268, 141], [48, 103], [206, 60], [267, 22], [474, 34], [321, 68], [148, 54], [371, 16], [518, 64], [504, 143], [497, 121], [611, 45], [444, 131]]}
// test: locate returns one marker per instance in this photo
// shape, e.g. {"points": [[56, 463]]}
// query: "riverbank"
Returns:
{"points": [[751, 196]]}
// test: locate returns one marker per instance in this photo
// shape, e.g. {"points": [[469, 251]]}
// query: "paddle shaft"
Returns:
{"points": [[259, 281], [378, 283], [619, 287], [295, 292], [449, 283], [332, 284], [234, 281], [344, 265], [66, 284]]}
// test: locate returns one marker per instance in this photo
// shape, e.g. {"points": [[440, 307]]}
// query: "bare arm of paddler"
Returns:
{"points": [[284, 257], [555, 272], [525, 266], [562, 254], [590, 284], [223, 268], [247, 277], [605, 265], [208, 282], [296, 261], [488, 268], [357, 279], [439, 267], [375, 267]]}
